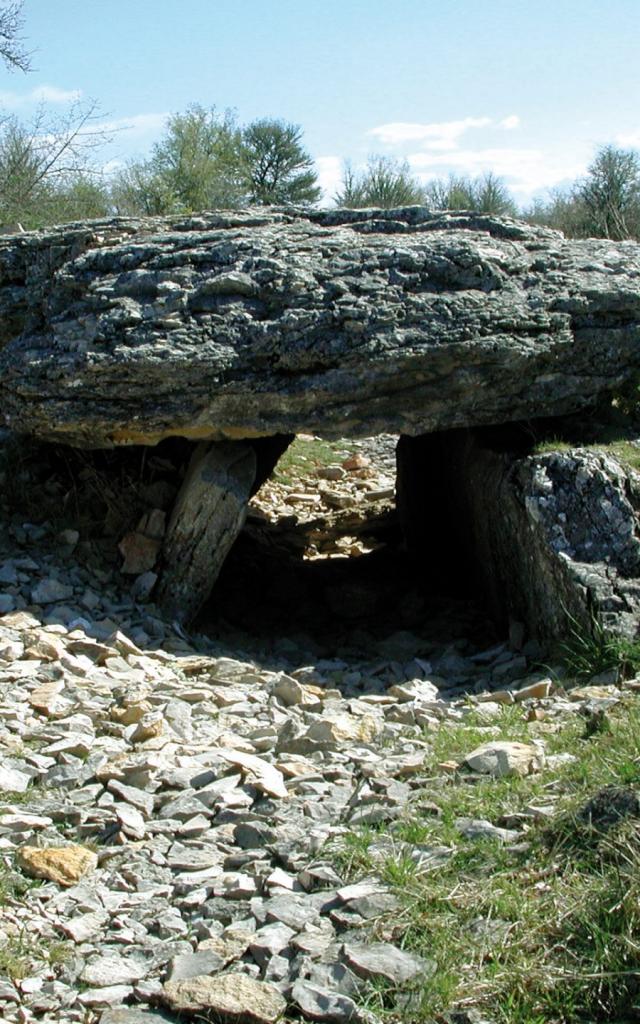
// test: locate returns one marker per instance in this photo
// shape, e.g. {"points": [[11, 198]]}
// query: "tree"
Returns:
{"points": [[611, 193], [195, 166], [385, 182], [486, 194], [205, 161], [45, 169], [563, 210], [274, 165], [12, 51]]}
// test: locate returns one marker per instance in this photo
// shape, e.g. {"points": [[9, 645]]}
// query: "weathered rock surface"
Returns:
{"points": [[233, 998], [225, 326], [504, 758], [208, 515], [65, 865], [547, 538]]}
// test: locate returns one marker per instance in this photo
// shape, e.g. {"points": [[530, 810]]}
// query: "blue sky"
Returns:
{"points": [[527, 88]]}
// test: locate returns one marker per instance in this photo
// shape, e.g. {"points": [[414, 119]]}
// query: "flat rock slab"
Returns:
{"points": [[382, 961], [324, 1005], [65, 865], [503, 757], [231, 998], [343, 322]]}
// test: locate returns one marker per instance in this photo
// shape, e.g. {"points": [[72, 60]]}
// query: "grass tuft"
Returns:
{"points": [[543, 930]]}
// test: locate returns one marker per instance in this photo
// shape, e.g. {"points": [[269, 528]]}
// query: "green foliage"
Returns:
{"points": [[304, 457], [589, 652], [274, 166], [387, 182], [46, 172], [611, 194], [384, 183], [193, 167], [485, 194], [22, 955], [206, 161], [605, 204]]}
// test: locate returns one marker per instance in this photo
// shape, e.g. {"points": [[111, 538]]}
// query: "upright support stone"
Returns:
{"points": [[208, 515], [551, 540]]}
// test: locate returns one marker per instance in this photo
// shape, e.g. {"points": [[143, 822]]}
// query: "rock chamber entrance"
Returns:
{"points": [[335, 555]]}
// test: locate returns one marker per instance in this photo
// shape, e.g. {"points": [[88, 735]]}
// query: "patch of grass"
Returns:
{"points": [[613, 429], [303, 458], [13, 798], [351, 853], [21, 955], [546, 931], [14, 885], [589, 652]]}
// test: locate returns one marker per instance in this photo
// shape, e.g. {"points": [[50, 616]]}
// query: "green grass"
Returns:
{"points": [[14, 885], [23, 955], [613, 427], [559, 935], [624, 451], [303, 458], [588, 653]]}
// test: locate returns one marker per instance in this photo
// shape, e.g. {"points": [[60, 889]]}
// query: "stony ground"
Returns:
{"points": [[179, 821]]}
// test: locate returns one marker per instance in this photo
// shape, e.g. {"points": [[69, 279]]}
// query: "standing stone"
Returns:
{"points": [[208, 515]]}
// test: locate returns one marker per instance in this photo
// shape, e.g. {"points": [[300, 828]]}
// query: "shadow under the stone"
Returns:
{"points": [[339, 605]]}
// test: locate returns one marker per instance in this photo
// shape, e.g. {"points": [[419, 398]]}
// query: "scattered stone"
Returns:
{"points": [[323, 1004], [381, 961], [64, 865], [534, 691], [192, 965], [213, 787], [260, 772], [13, 779], [232, 998], [105, 971], [85, 927], [502, 758], [48, 591], [480, 828]]}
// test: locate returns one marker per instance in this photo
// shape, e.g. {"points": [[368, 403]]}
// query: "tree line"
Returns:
{"points": [[50, 171]]}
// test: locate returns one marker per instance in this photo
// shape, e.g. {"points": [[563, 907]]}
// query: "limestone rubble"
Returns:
{"points": [[208, 791]]}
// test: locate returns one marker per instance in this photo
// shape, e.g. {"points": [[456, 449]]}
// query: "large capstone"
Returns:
{"points": [[340, 323]]}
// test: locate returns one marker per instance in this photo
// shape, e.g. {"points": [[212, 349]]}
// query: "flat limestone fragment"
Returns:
{"points": [[264, 775], [105, 971], [384, 961], [64, 865], [501, 757], [232, 998]]}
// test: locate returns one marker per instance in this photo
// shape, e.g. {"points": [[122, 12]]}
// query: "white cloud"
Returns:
{"points": [[139, 124], [131, 137], [524, 170], [39, 94], [329, 174], [631, 141], [51, 94], [441, 135], [509, 123]]}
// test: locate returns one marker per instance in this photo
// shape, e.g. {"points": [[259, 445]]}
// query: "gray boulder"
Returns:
{"points": [[238, 325]]}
